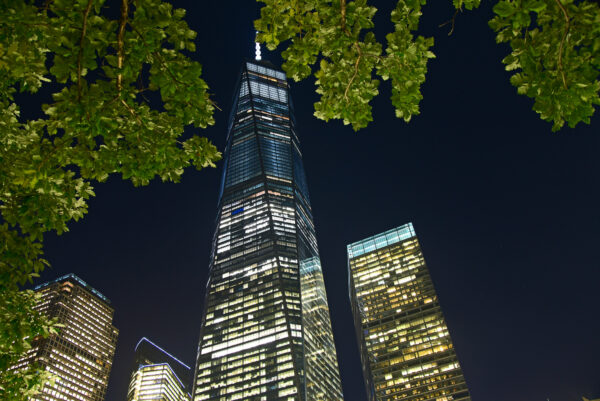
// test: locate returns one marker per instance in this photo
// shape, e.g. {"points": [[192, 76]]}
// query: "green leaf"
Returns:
{"points": [[504, 8], [534, 5]]}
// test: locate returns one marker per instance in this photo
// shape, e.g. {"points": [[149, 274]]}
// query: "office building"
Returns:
{"points": [[266, 332], [81, 354], [157, 375], [404, 343]]}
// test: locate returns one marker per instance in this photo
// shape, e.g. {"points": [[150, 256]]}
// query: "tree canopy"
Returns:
{"points": [[123, 89], [555, 54]]}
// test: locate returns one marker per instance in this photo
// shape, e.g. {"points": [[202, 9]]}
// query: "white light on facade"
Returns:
{"points": [[257, 51]]}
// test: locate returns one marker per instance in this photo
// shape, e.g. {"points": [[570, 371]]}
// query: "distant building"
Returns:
{"points": [[81, 354], [158, 375], [405, 346]]}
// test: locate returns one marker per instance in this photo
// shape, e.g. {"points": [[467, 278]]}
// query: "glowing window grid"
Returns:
{"points": [[81, 354], [405, 347], [266, 332]]}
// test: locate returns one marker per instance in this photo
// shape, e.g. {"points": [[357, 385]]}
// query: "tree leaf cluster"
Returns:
{"points": [[555, 55], [332, 32], [19, 330], [122, 92], [554, 51]]}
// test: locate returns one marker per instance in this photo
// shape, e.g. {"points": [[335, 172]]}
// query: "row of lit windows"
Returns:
{"points": [[264, 90], [156, 382], [266, 71], [392, 281], [250, 304], [71, 354], [322, 374]]}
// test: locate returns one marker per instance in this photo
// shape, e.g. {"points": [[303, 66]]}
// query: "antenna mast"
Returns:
{"points": [[257, 56]]}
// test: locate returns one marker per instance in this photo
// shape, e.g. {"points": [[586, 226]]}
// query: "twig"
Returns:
{"points": [[156, 54], [80, 55], [120, 39], [134, 114], [114, 99], [562, 42], [47, 5], [26, 24], [453, 20], [214, 104], [345, 30], [355, 70]]}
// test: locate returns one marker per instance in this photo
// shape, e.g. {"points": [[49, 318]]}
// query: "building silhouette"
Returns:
{"points": [[405, 347], [266, 332], [81, 354], [157, 375]]}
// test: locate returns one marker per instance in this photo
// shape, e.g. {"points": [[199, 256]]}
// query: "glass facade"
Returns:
{"points": [[405, 346], [266, 332], [81, 354], [156, 382], [157, 375]]}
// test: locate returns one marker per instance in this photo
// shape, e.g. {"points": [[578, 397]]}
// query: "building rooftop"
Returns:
{"points": [[73, 277], [150, 354], [382, 240]]}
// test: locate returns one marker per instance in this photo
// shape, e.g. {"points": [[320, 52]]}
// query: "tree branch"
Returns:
{"points": [[562, 42], [80, 55], [47, 5], [355, 70], [134, 114], [355, 44], [453, 20], [120, 41], [343, 12]]}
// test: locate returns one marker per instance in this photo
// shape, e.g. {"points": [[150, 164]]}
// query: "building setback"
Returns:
{"points": [[157, 375], [404, 343], [266, 332], [81, 354]]}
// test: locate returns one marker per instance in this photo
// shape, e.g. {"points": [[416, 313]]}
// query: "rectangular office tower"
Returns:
{"points": [[266, 332], [405, 347], [81, 354], [157, 375]]}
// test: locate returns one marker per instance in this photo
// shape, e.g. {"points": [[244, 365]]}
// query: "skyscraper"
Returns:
{"points": [[81, 354], [266, 332], [404, 343], [157, 375]]}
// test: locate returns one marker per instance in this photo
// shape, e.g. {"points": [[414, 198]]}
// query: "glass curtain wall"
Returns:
{"points": [[405, 346], [81, 354], [266, 332], [157, 375]]}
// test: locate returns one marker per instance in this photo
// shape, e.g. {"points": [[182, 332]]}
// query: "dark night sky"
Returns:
{"points": [[506, 212]]}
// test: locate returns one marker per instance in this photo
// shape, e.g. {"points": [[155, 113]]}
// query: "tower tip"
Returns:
{"points": [[257, 55]]}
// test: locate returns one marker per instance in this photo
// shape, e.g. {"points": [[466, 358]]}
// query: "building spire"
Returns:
{"points": [[257, 56]]}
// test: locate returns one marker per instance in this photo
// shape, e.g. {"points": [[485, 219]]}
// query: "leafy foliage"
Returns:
{"points": [[333, 30], [555, 44], [406, 62], [101, 72], [555, 53], [19, 328]]}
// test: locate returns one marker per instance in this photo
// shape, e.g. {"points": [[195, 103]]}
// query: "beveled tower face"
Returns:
{"points": [[405, 347], [81, 354], [266, 332]]}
